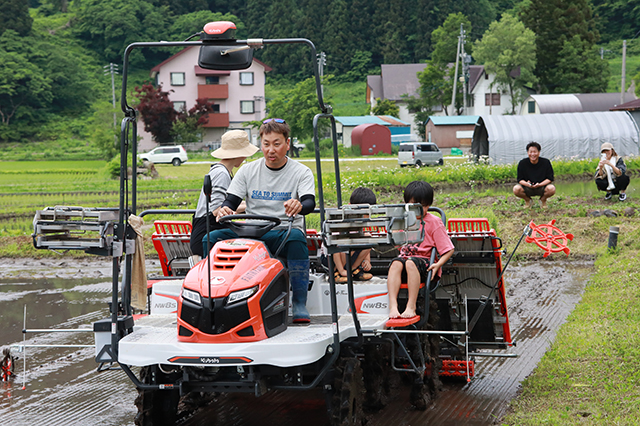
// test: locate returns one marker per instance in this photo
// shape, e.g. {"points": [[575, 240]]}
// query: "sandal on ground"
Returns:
{"points": [[360, 275], [339, 278]]}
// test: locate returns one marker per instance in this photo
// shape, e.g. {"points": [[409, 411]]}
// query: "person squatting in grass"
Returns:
{"points": [[535, 175], [412, 265], [276, 186], [612, 163], [234, 149], [360, 259]]}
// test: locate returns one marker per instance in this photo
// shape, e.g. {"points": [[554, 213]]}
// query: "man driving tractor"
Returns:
{"points": [[276, 186]]}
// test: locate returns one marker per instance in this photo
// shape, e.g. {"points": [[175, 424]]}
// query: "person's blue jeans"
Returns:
{"points": [[294, 249]]}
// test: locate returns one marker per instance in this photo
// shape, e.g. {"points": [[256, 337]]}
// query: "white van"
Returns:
{"points": [[175, 155], [420, 154]]}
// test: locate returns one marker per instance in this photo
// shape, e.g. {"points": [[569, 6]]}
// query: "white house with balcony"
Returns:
{"points": [[237, 96]]}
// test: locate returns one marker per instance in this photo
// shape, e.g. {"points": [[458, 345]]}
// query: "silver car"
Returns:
{"points": [[420, 154]]}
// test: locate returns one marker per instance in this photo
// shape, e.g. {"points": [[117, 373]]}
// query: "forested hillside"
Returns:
{"points": [[52, 52]]}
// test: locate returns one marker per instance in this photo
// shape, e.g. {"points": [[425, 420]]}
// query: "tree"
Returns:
{"points": [[23, 85], [507, 50], [109, 26], [186, 25], [187, 127], [298, 106], [157, 112], [580, 70], [445, 38], [15, 16], [386, 107], [617, 19], [554, 22]]}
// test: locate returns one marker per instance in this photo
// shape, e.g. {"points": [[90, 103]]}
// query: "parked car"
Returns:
{"points": [[419, 154], [175, 155]]}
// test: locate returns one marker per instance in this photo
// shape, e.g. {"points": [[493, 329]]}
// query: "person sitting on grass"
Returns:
{"points": [[412, 266], [360, 259]]}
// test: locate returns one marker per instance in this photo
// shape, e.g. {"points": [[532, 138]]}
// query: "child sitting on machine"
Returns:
{"points": [[360, 259], [412, 266]]}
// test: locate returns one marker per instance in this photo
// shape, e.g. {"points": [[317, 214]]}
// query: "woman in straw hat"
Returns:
{"points": [[610, 174], [234, 149]]}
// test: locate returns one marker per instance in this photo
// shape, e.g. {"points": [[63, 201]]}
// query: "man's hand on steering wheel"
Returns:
{"points": [[292, 207], [224, 211]]}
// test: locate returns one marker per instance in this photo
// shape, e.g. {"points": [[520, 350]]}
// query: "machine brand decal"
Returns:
{"points": [[210, 360], [366, 304], [217, 280], [250, 275], [241, 243], [166, 305], [376, 305], [258, 257]]}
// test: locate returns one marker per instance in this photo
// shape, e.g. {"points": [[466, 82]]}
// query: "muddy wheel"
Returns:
{"points": [[347, 395], [157, 407], [424, 389], [377, 376]]}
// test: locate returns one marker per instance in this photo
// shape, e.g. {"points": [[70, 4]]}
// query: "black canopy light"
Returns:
{"points": [[220, 50]]}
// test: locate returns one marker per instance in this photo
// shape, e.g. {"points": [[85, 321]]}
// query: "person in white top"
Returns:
{"points": [[234, 149], [276, 186]]}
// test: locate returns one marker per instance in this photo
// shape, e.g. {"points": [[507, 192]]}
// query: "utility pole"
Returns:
{"points": [[112, 69], [466, 60], [455, 76], [624, 70], [322, 61]]}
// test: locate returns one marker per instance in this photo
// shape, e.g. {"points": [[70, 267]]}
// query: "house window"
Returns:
{"points": [[180, 106], [246, 79], [216, 107], [246, 107], [177, 79], [212, 79], [532, 107], [492, 99]]}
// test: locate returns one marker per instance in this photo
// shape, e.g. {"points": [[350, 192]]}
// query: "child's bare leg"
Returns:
{"points": [[413, 284], [340, 259], [393, 286], [362, 256]]}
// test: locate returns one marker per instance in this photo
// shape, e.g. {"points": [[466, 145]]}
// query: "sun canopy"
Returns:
{"points": [[574, 135]]}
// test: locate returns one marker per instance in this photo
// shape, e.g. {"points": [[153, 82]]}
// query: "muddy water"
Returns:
{"points": [[63, 388]]}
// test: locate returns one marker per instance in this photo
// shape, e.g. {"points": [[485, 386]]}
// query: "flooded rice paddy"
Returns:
{"points": [[62, 386]]}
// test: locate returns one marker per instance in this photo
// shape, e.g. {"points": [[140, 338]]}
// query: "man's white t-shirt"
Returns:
{"points": [[265, 190]]}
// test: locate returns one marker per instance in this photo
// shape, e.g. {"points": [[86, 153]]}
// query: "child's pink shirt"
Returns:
{"points": [[435, 235]]}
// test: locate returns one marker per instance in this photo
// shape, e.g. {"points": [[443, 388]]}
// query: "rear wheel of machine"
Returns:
{"points": [[377, 376], [157, 407], [348, 394], [424, 389]]}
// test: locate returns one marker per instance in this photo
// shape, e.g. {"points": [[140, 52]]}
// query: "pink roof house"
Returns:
{"points": [[238, 96]]}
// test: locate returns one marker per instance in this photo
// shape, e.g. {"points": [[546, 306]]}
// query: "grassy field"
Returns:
{"points": [[589, 375]]}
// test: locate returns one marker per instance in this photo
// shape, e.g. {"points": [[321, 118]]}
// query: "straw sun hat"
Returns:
{"points": [[235, 143]]}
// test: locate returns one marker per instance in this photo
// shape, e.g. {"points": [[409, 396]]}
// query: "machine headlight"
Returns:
{"points": [[192, 296], [237, 296]]}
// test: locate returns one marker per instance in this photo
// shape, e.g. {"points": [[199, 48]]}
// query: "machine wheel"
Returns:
{"points": [[176, 162], [157, 407], [347, 395], [441, 161], [377, 376], [425, 389], [418, 163]]}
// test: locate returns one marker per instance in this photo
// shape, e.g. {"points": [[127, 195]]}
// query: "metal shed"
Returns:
{"points": [[575, 135]]}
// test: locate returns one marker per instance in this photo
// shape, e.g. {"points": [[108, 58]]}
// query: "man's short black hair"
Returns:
{"points": [[420, 192], [536, 145], [362, 195]]}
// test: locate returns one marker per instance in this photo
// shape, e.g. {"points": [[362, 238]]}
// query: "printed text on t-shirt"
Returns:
{"points": [[268, 195]]}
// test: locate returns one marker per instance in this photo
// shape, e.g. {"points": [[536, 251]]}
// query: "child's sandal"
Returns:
{"points": [[339, 278], [360, 275]]}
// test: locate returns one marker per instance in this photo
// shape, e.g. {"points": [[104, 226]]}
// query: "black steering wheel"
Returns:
{"points": [[254, 227]]}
